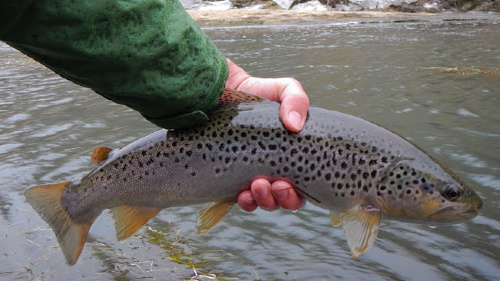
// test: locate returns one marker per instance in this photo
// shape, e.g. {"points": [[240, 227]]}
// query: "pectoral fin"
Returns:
{"points": [[336, 219], [211, 215], [361, 228], [128, 219]]}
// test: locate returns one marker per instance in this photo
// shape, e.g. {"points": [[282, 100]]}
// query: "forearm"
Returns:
{"points": [[149, 55]]}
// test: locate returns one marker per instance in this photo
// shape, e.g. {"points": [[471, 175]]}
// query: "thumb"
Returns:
{"points": [[294, 106]]}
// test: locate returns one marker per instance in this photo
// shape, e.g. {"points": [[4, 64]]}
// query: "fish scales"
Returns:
{"points": [[339, 162]]}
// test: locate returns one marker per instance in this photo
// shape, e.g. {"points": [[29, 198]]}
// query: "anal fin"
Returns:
{"points": [[129, 219], [211, 215], [361, 228]]}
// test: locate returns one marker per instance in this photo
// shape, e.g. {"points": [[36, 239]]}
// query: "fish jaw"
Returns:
{"points": [[459, 212]]}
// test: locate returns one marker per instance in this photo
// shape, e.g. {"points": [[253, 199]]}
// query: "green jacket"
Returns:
{"points": [[147, 54]]}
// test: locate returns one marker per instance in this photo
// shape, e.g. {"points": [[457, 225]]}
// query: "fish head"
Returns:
{"points": [[410, 190]]}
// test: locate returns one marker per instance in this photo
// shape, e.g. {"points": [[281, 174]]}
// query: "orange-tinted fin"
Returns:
{"points": [[129, 219], [99, 155], [361, 228], [46, 201], [211, 215], [336, 220]]}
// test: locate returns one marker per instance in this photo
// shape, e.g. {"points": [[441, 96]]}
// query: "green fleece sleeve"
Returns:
{"points": [[149, 55]]}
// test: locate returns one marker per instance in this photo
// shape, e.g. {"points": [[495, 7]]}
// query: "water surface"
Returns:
{"points": [[435, 82]]}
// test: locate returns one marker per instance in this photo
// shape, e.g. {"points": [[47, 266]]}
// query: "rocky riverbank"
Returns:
{"points": [[270, 16], [408, 6]]}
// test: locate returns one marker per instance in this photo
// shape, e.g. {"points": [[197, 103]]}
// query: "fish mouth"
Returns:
{"points": [[453, 214]]}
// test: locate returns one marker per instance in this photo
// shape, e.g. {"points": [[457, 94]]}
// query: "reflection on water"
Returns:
{"points": [[398, 75]]}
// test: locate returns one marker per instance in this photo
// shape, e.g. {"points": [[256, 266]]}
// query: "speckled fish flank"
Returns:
{"points": [[351, 167]]}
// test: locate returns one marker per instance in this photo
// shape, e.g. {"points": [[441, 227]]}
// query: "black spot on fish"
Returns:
{"points": [[262, 145], [273, 147]]}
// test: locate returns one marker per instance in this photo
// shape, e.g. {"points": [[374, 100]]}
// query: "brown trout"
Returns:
{"points": [[351, 167]]}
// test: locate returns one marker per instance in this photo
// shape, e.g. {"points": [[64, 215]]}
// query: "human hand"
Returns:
{"points": [[293, 111], [287, 91]]}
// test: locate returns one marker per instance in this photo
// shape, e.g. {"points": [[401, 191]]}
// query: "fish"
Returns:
{"points": [[353, 168]]}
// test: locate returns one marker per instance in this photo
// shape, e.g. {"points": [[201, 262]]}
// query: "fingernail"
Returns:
{"points": [[295, 119], [262, 192], [281, 194]]}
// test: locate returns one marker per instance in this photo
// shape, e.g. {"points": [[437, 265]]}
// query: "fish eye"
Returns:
{"points": [[451, 193]]}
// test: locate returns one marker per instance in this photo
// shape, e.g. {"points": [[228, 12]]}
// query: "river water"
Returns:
{"points": [[436, 82]]}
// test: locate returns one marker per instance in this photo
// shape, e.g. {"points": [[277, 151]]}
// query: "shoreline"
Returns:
{"points": [[275, 16]]}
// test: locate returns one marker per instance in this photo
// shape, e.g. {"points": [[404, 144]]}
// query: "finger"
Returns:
{"points": [[286, 196], [246, 201], [294, 106], [261, 190]]}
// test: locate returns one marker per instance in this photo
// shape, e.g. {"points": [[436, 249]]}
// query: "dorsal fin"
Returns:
{"points": [[99, 155], [231, 96]]}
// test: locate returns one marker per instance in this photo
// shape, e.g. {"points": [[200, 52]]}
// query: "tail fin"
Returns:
{"points": [[46, 201]]}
